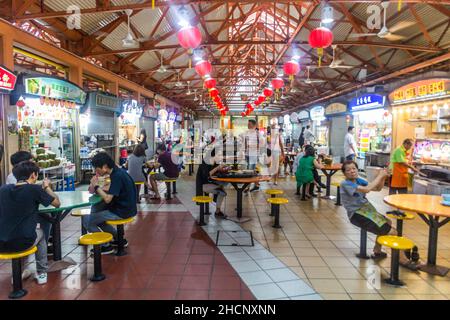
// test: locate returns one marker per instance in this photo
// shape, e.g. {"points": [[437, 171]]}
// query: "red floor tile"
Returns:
{"points": [[165, 282], [225, 283], [159, 294], [195, 283], [171, 270], [200, 259], [193, 295], [198, 269], [95, 294], [225, 295], [127, 294], [63, 294]]}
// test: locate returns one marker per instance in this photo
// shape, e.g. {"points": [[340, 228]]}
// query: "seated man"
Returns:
{"points": [[361, 212], [15, 159], [171, 170], [19, 205], [120, 199]]}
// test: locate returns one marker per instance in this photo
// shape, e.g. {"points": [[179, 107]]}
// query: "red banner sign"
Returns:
{"points": [[7, 79], [421, 90]]}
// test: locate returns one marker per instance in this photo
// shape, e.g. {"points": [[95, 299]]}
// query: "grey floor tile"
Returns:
{"points": [[295, 288], [282, 274], [245, 266], [268, 264], [255, 277], [267, 291], [307, 297], [260, 254], [237, 256]]}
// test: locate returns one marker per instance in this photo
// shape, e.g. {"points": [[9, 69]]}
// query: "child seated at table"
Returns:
{"points": [[19, 204], [361, 212]]}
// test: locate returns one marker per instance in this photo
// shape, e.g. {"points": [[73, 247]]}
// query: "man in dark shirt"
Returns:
{"points": [[171, 170], [120, 199], [19, 204]]}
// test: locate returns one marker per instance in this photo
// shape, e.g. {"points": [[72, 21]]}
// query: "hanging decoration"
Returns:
{"points": [[203, 68], [189, 38], [213, 92], [291, 68], [210, 83], [268, 92], [320, 38], [277, 84]]}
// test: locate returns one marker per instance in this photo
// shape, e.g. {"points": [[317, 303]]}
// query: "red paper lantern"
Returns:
{"points": [[247, 112], [291, 68], [213, 92], [320, 38], [20, 103], [277, 83], [243, 114], [223, 113], [256, 103], [261, 99], [210, 83], [189, 37], [268, 92], [203, 68]]}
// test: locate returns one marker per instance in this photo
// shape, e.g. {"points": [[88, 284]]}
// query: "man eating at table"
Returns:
{"points": [[19, 205], [120, 199]]}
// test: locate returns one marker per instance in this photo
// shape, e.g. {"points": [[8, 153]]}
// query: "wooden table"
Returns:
{"points": [[244, 182], [69, 200], [329, 171], [430, 209]]}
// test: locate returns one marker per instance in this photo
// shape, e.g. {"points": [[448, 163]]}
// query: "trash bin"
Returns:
{"points": [[372, 173]]}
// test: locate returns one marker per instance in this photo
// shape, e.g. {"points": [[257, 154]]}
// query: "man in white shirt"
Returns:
{"points": [[309, 136], [350, 144]]}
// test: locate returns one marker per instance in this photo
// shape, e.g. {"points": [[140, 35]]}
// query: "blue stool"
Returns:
{"points": [[59, 186], [69, 183]]}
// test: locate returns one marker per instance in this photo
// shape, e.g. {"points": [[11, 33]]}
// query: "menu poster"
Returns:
{"points": [[432, 151], [419, 133]]}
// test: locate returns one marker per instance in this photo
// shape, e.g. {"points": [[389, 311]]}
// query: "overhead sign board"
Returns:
{"points": [[367, 102]]}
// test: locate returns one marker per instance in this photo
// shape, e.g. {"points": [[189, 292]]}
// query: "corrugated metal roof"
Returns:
{"points": [[114, 39], [147, 60]]}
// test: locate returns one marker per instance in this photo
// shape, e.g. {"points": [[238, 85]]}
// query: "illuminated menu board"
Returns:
{"points": [[421, 90]]}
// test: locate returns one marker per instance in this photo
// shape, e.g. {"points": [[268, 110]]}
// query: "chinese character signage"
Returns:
{"points": [[303, 115], [102, 100], [54, 88], [421, 91], [367, 102], [7, 79], [131, 107], [335, 108]]}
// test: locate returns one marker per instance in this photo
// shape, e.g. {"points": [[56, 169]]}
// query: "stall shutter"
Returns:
{"points": [[337, 135], [101, 122]]}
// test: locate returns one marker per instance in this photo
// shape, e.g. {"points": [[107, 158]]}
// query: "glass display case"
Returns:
{"points": [[432, 151]]}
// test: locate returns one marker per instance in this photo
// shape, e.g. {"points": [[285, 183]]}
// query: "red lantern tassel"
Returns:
{"points": [[399, 5], [320, 53], [153, 4], [291, 78]]}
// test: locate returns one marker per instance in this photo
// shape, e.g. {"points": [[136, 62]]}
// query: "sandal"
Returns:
{"points": [[220, 214], [378, 255]]}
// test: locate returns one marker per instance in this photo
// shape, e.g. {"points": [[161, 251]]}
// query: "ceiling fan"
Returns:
{"points": [[179, 84], [337, 63], [308, 80], [385, 32], [189, 92], [162, 67]]}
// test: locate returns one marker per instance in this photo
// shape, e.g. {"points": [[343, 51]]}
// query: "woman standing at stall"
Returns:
{"points": [[143, 139]]}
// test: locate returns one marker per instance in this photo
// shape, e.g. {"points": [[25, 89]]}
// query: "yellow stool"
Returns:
{"points": [[202, 200], [276, 202], [396, 243], [16, 261], [399, 218], [96, 239], [80, 213], [274, 192], [338, 192], [120, 234]]}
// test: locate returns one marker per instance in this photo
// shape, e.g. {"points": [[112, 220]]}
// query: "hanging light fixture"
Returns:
{"points": [[327, 13]]}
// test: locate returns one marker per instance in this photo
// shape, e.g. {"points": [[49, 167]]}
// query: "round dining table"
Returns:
{"points": [[69, 200], [329, 171], [430, 209], [240, 184]]}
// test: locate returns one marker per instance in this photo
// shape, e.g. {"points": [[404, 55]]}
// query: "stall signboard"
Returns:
{"points": [[367, 102], [179, 118], [317, 113], [102, 100], [335, 108], [421, 90], [303, 115], [172, 117], [150, 112], [54, 88], [162, 115], [7, 79]]}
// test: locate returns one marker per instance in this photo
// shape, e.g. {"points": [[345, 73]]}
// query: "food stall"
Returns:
{"points": [[339, 121], [98, 118], [7, 84], [128, 127], [147, 122], [47, 113], [373, 126], [320, 129], [421, 110]]}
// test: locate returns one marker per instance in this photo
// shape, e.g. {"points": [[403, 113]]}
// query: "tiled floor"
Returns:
{"points": [[318, 244], [170, 257]]}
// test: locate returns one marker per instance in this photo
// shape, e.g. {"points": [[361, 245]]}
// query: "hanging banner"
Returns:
{"points": [[367, 101], [317, 113], [7, 79], [335, 108], [54, 88], [303, 115], [421, 91], [102, 100]]}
